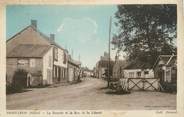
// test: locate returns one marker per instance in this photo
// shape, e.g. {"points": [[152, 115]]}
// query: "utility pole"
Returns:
{"points": [[72, 53], [109, 52]]}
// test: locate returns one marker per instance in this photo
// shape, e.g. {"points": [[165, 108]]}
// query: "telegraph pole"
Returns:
{"points": [[109, 51]]}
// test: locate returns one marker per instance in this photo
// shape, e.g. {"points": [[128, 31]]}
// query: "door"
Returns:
{"points": [[161, 76], [20, 79], [59, 74]]}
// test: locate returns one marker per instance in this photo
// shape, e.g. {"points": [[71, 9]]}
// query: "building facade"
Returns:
{"points": [[33, 64], [32, 36], [137, 69], [74, 70]]}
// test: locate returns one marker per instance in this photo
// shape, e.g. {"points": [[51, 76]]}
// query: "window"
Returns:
{"points": [[55, 71], [168, 75], [22, 62], [146, 72], [64, 56], [138, 74], [32, 63], [56, 54], [131, 74]]}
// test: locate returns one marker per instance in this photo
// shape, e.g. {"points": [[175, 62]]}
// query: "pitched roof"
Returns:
{"points": [[28, 51], [138, 65], [49, 40], [42, 34], [166, 59], [72, 61]]}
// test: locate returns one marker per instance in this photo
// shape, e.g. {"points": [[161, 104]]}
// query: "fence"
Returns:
{"points": [[143, 84]]}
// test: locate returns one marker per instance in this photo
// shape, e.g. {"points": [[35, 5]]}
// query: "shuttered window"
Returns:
{"points": [[64, 57], [56, 54]]}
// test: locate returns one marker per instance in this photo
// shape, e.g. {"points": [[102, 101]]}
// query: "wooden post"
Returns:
{"points": [[108, 84]]}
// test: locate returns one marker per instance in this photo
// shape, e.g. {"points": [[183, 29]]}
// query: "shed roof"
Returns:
{"points": [[74, 62], [28, 50], [166, 59], [138, 65]]}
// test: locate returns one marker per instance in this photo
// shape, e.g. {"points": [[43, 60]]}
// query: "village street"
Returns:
{"points": [[89, 94]]}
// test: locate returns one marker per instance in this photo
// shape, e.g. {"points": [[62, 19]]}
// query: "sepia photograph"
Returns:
{"points": [[91, 57]]}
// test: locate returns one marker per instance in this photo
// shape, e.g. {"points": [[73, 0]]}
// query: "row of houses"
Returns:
{"points": [[43, 60], [164, 69]]}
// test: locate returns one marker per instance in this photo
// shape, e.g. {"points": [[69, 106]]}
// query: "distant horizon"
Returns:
{"points": [[82, 30]]}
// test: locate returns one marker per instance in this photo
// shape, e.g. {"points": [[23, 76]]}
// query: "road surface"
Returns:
{"points": [[90, 94]]}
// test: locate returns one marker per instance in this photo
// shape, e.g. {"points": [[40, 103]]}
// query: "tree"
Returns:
{"points": [[146, 31]]}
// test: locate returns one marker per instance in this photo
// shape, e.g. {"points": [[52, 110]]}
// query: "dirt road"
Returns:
{"points": [[90, 94]]}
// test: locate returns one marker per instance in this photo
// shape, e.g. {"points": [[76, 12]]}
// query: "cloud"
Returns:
{"points": [[60, 28], [82, 29], [94, 23]]}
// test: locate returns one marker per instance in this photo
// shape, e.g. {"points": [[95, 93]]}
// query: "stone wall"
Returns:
{"points": [[14, 64]]}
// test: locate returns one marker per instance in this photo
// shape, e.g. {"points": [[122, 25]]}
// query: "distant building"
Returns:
{"points": [[87, 72], [103, 65], [105, 57], [118, 68], [165, 68], [73, 70]]}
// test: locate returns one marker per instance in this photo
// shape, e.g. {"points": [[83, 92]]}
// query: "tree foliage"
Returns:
{"points": [[146, 31]]}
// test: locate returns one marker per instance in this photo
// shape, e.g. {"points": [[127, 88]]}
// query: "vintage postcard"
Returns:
{"points": [[92, 59]]}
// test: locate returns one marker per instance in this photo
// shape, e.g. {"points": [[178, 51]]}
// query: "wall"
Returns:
{"points": [[60, 61], [70, 74], [48, 67], [73, 72], [149, 75], [13, 64], [11, 67]]}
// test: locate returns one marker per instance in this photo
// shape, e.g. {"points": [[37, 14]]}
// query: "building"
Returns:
{"points": [[74, 70], [35, 60], [118, 68], [137, 69], [86, 72], [140, 76], [165, 68], [32, 36], [60, 64], [101, 68]]}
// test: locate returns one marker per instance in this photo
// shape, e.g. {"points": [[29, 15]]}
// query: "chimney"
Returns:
{"points": [[34, 23], [52, 37]]}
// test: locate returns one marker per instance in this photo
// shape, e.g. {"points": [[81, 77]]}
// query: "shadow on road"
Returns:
{"points": [[18, 91], [103, 88], [107, 90], [117, 92]]}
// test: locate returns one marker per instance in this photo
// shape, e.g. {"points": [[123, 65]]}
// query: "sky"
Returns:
{"points": [[82, 30]]}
